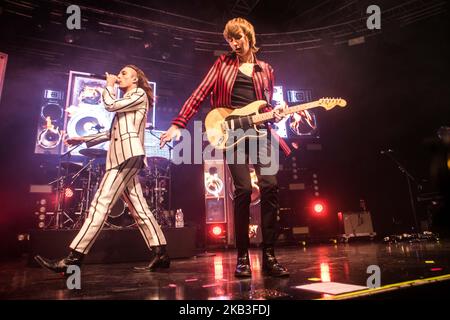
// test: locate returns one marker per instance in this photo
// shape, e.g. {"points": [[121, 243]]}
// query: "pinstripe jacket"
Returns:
{"points": [[127, 131], [219, 82]]}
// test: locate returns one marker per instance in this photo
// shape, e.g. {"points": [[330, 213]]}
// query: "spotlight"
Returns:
{"points": [[148, 45], [165, 55], [217, 231], [68, 193], [318, 207], [70, 38]]}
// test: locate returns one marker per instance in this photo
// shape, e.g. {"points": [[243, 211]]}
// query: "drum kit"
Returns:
{"points": [[77, 184]]}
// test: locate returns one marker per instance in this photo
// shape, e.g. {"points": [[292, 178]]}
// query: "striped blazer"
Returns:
{"points": [[127, 131], [219, 82]]}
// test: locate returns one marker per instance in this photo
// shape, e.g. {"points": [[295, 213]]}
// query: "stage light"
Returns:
{"points": [[217, 231], [318, 207], [68, 193]]}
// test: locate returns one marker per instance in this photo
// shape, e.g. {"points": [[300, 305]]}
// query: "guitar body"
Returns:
{"points": [[226, 127], [217, 131]]}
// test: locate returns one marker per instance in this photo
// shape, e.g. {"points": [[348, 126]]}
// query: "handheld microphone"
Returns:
{"points": [[101, 76], [96, 75]]}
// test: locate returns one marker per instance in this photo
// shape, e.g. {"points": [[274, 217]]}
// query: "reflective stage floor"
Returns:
{"points": [[421, 268]]}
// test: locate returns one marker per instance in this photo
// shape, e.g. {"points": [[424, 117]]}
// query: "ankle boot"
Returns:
{"points": [[243, 269], [61, 265], [271, 266], [160, 260]]}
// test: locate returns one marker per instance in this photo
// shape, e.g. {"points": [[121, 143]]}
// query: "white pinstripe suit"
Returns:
{"points": [[125, 157]]}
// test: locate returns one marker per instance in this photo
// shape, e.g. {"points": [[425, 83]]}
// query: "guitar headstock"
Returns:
{"points": [[330, 103]]}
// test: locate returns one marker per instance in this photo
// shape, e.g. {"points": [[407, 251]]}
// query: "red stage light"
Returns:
{"points": [[217, 231], [318, 207], [68, 193]]}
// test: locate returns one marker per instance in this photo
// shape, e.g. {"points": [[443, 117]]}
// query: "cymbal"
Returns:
{"points": [[93, 153], [71, 166]]}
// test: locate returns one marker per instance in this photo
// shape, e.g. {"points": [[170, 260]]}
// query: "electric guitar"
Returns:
{"points": [[220, 123]]}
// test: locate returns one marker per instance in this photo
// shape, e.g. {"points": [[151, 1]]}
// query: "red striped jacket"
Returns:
{"points": [[219, 83]]}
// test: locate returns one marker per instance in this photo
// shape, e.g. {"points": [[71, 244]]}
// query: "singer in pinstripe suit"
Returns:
{"points": [[125, 157]]}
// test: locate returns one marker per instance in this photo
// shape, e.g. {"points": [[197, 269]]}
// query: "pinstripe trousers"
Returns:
{"points": [[121, 181]]}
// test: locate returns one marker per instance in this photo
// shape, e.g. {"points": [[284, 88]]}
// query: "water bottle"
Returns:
{"points": [[179, 219]]}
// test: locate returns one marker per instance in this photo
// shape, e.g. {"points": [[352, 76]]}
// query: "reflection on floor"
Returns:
{"points": [[210, 275]]}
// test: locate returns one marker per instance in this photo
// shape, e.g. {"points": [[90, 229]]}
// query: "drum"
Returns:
{"points": [[120, 216]]}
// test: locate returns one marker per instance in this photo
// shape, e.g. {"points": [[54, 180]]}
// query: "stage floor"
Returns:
{"points": [[210, 275]]}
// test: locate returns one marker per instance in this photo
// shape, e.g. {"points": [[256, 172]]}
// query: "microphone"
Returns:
{"points": [[96, 75], [150, 127]]}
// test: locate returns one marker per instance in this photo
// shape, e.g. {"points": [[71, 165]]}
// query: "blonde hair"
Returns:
{"points": [[235, 26]]}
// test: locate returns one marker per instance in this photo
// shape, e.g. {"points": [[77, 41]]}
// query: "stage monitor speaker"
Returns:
{"points": [[356, 224], [3, 61], [214, 183], [49, 135]]}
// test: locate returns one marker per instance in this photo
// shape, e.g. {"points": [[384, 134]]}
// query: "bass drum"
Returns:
{"points": [[120, 216]]}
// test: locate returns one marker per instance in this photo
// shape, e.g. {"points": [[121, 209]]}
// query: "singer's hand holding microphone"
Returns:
{"points": [[111, 79]]}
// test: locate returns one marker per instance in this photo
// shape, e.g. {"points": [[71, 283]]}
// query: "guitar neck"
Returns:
{"points": [[267, 116]]}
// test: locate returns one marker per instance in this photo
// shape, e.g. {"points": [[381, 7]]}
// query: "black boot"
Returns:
{"points": [[271, 266], [160, 260], [61, 265], [243, 269]]}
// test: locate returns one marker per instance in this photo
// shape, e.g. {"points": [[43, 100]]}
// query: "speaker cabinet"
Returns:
{"points": [[50, 124]]}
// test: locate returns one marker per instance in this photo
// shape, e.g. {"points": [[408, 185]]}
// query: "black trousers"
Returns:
{"points": [[242, 196]]}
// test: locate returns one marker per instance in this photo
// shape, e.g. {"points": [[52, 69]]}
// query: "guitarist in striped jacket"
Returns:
{"points": [[235, 80]]}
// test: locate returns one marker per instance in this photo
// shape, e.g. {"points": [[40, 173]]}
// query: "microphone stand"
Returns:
{"points": [[169, 166], [409, 178]]}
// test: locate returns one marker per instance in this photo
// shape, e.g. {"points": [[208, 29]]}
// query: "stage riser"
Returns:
{"points": [[112, 246]]}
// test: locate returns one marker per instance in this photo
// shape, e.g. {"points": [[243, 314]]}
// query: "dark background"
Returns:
{"points": [[396, 85]]}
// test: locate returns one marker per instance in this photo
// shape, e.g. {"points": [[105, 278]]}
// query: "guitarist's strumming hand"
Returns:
{"points": [[277, 111], [172, 132]]}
